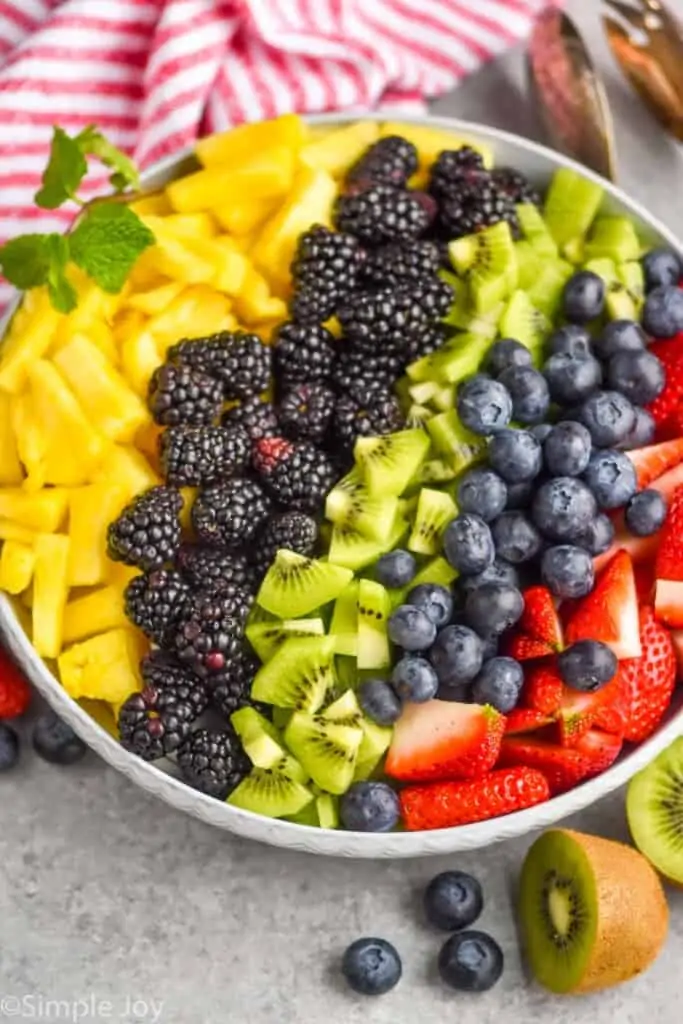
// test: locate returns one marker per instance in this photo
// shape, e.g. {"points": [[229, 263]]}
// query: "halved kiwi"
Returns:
{"points": [[350, 548], [295, 585], [298, 675], [571, 205], [267, 637], [417, 416], [262, 741], [488, 259], [464, 316], [443, 398], [389, 462], [535, 231], [376, 738], [326, 749], [455, 442], [424, 391], [654, 807], [349, 503], [459, 361], [435, 510], [524, 322], [273, 792], [344, 624], [614, 238], [374, 608]]}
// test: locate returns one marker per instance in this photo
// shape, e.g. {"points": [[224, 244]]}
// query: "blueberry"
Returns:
{"points": [[414, 679], [609, 417], [519, 495], [456, 655], [611, 477], [529, 392], [645, 513], [453, 900], [56, 742], [483, 492], [572, 379], [371, 966], [395, 569], [541, 431], [493, 608], [598, 536], [504, 354], [567, 571], [643, 431], [379, 701], [567, 449], [497, 572], [484, 406], [455, 694], [468, 544], [434, 600], [662, 267], [9, 747], [663, 312], [570, 340], [563, 507], [499, 684], [409, 627], [516, 455], [587, 665], [369, 807], [584, 297], [516, 538], [638, 375], [471, 961], [620, 336], [489, 646]]}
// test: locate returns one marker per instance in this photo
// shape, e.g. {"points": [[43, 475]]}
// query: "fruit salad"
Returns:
{"points": [[360, 503]]}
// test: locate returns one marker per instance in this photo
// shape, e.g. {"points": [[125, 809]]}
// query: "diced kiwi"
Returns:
{"points": [[344, 624], [280, 717], [454, 441], [573, 251], [488, 259], [463, 315], [376, 738], [604, 267], [389, 462], [435, 510], [618, 302], [461, 360], [654, 807], [632, 276], [262, 741], [273, 792], [298, 675], [350, 548], [267, 637], [307, 815], [417, 416], [524, 322], [374, 608], [327, 807], [444, 398], [435, 471], [535, 231], [529, 262], [545, 292], [422, 392], [295, 585], [346, 669], [571, 205], [349, 503], [437, 571], [614, 238], [326, 749], [345, 709], [421, 371]]}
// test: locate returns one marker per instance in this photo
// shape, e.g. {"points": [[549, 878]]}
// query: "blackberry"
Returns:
{"points": [[305, 412], [154, 722], [147, 532], [303, 353], [434, 296], [297, 475], [425, 343], [392, 160], [192, 456], [163, 672], [379, 414], [155, 601], [476, 205], [515, 185], [210, 633], [239, 361], [383, 213], [181, 395], [291, 530], [401, 262], [233, 689], [382, 319], [229, 514], [324, 271], [447, 171], [210, 568], [360, 372], [255, 415], [213, 762]]}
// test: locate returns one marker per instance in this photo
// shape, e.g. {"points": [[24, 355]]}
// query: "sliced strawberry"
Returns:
{"points": [[610, 612], [669, 564], [15, 693], [669, 482], [655, 460], [666, 405], [563, 767], [525, 648], [543, 689], [579, 711], [642, 549], [525, 720], [644, 575], [539, 619], [447, 804], [649, 680], [677, 640], [669, 602], [444, 740]]}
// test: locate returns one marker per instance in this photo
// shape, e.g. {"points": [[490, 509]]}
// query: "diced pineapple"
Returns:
{"points": [[16, 566], [154, 204], [29, 337], [255, 302], [102, 392], [120, 575], [97, 612], [11, 530], [50, 590], [31, 443], [102, 713], [240, 216], [431, 141], [10, 466], [267, 173], [172, 257], [145, 274], [337, 150], [192, 225], [156, 299], [188, 495], [195, 313], [128, 469], [43, 511], [230, 265], [91, 509], [147, 440], [139, 360], [239, 143], [104, 667]]}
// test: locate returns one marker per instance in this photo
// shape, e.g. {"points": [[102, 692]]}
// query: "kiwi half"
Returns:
{"points": [[298, 675], [376, 738], [464, 316], [295, 585], [344, 624], [454, 441], [461, 360], [350, 504], [435, 510], [488, 260], [374, 608], [273, 792], [389, 462], [350, 548], [327, 750], [654, 807], [266, 637], [570, 206], [523, 321], [592, 912]]}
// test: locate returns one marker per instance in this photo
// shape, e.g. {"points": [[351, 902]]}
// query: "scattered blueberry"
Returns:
{"points": [[395, 569], [643, 431], [619, 336], [611, 476], [434, 600], [519, 495], [499, 684], [56, 742], [638, 375], [584, 297], [471, 961], [414, 679], [409, 627], [369, 807], [468, 544], [372, 966], [497, 572], [9, 747], [572, 379], [567, 449], [570, 340], [662, 268], [516, 538], [483, 492], [516, 455], [663, 312], [609, 417], [504, 354], [563, 507], [493, 608], [379, 701], [453, 900], [645, 513], [598, 536], [541, 431], [529, 392], [456, 655], [587, 665], [567, 571], [484, 406]]}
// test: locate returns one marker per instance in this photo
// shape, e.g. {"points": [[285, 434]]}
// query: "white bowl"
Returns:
{"points": [[538, 163]]}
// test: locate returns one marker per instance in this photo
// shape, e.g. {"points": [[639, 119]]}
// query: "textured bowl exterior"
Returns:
{"points": [[538, 163]]}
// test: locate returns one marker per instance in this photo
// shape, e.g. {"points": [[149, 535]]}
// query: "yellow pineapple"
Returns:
{"points": [[104, 667], [241, 216], [195, 313], [256, 303], [43, 511], [16, 566], [154, 204], [91, 509], [191, 225], [97, 612], [139, 360], [338, 149], [429, 142], [11, 530], [188, 495], [120, 575], [50, 590], [155, 300], [102, 713], [266, 174], [239, 143], [128, 469], [29, 337], [10, 466], [30, 440], [172, 257]]}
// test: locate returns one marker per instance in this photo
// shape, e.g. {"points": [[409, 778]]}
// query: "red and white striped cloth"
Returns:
{"points": [[155, 74]]}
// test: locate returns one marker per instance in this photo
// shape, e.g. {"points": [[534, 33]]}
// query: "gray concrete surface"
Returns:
{"points": [[114, 907]]}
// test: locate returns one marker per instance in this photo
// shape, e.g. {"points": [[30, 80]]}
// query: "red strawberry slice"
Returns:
{"points": [[666, 405], [610, 612], [447, 804], [649, 680], [525, 720], [579, 712], [543, 689], [444, 740], [669, 565], [644, 575], [655, 460], [525, 648], [677, 640], [563, 767], [669, 602], [15, 693], [539, 619]]}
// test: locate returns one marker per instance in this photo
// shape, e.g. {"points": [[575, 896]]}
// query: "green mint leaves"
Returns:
{"points": [[107, 238]]}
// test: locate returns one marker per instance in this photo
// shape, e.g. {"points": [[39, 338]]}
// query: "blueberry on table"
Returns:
{"points": [[505, 354], [395, 569], [379, 701], [516, 538], [563, 507], [587, 665], [9, 747], [619, 336], [529, 392], [662, 267], [369, 807], [493, 608], [371, 966], [515, 455], [567, 571], [453, 900], [612, 478], [409, 627], [598, 536], [484, 406], [457, 655], [663, 312], [471, 961], [483, 492], [414, 679], [434, 600], [609, 417], [571, 340], [638, 375], [572, 378], [645, 513], [643, 431], [499, 684], [468, 544], [56, 742], [567, 449], [584, 297]]}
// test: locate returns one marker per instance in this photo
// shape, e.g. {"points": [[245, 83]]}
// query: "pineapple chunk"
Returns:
{"points": [[172, 257], [229, 264], [266, 174], [31, 443], [103, 393], [255, 302], [239, 143], [104, 667], [188, 495], [429, 142], [30, 335], [10, 466], [97, 612], [50, 590], [120, 574], [191, 225], [91, 510], [338, 149], [139, 360], [154, 204], [43, 511], [16, 566], [102, 713], [240, 216], [147, 440], [196, 312], [9, 530], [156, 299], [129, 469]]}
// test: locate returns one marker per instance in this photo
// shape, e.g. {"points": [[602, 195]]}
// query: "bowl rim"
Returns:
{"points": [[304, 838]]}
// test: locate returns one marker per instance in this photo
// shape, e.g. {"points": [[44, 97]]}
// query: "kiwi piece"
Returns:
{"points": [[618, 302], [437, 571], [274, 792], [266, 637], [461, 360], [345, 710], [535, 231], [262, 741], [298, 675], [488, 259], [571, 205], [654, 807], [307, 816], [444, 398], [346, 670], [452, 440], [417, 416], [463, 315], [529, 262], [326, 749], [350, 548], [524, 322], [632, 277], [374, 608], [389, 462], [592, 912], [424, 391], [420, 372], [435, 510], [295, 585], [376, 738], [435, 471], [545, 292], [614, 238], [573, 251], [327, 808], [344, 624], [350, 504], [280, 717]]}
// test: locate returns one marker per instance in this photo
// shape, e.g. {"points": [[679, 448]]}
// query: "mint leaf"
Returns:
{"points": [[33, 260], [106, 243], [62, 293], [65, 171], [93, 143]]}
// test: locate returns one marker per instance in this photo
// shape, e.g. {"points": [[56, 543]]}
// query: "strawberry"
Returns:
{"points": [[644, 576], [666, 405], [677, 639], [540, 620], [610, 612], [655, 460], [525, 648], [525, 720], [15, 694], [543, 689], [580, 711], [642, 549], [669, 602], [444, 740], [669, 564], [649, 680], [447, 804], [563, 767]]}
